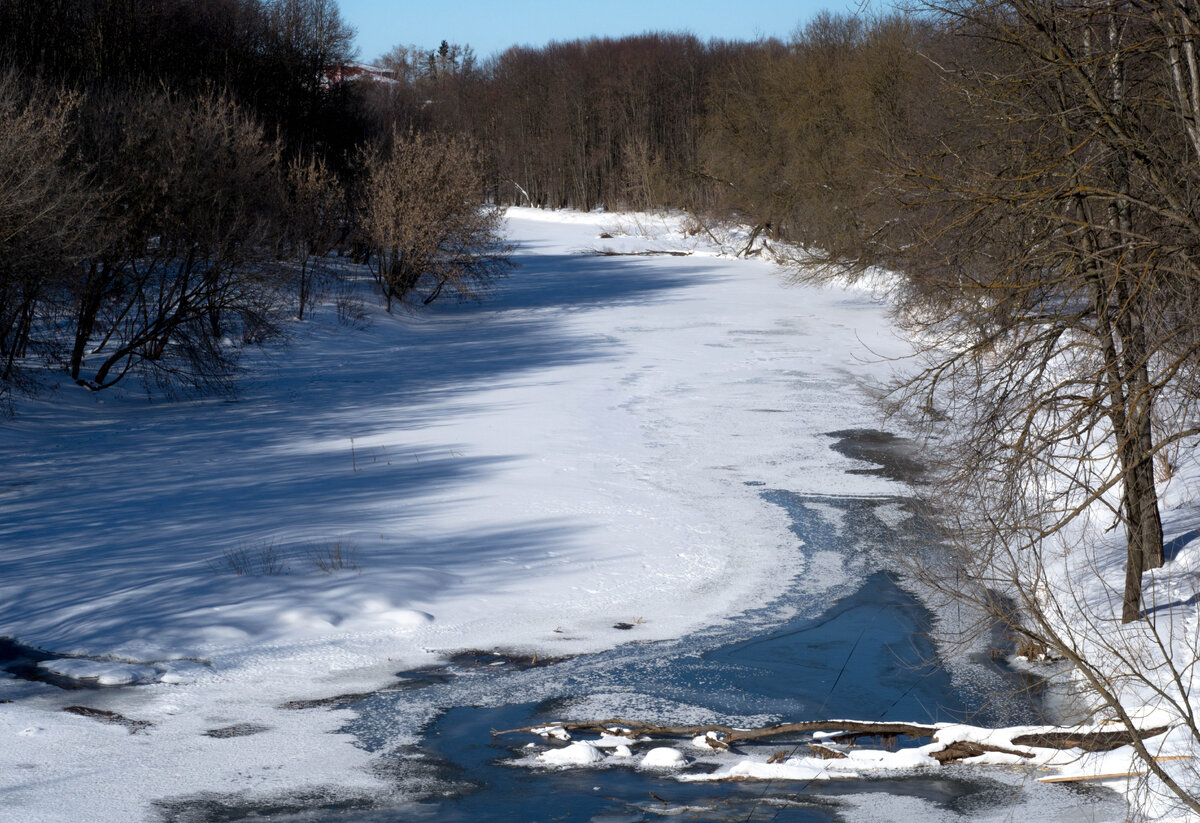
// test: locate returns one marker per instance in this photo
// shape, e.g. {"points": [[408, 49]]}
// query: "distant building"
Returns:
{"points": [[346, 72]]}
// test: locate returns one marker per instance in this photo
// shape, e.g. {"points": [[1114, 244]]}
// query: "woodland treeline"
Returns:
{"points": [[791, 137], [175, 174], [178, 172]]}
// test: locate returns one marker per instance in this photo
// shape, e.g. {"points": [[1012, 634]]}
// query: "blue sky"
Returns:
{"points": [[490, 26]]}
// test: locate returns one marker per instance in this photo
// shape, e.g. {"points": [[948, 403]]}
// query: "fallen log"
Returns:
{"points": [[960, 750], [1079, 778], [846, 728], [1088, 741], [838, 731], [648, 253]]}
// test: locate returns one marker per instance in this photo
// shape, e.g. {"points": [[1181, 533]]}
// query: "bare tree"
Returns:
{"points": [[1052, 282], [188, 267], [423, 221], [47, 218], [798, 134], [303, 40], [1061, 251], [316, 214]]}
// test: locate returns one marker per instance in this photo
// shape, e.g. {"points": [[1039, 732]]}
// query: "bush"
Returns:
{"points": [[187, 268], [422, 220], [47, 216]]}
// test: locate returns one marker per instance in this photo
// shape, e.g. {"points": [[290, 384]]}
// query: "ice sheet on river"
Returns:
{"points": [[527, 472]]}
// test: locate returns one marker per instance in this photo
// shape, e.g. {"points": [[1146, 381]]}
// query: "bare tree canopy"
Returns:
{"points": [[422, 220], [196, 204], [1054, 278], [47, 219]]}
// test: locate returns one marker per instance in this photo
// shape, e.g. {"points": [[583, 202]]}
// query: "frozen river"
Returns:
{"points": [[863, 651], [658, 474]]}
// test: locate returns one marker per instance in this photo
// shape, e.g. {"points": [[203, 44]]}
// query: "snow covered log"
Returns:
{"points": [[845, 729], [957, 743], [1095, 741]]}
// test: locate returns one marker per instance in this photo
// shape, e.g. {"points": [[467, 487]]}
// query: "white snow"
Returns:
{"points": [[557, 732], [802, 769], [520, 473], [663, 757], [103, 672], [578, 753], [613, 741]]}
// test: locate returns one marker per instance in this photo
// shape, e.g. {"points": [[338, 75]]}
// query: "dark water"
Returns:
{"points": [[860, 649], [22, 661], [893, 456], [503, 792]]}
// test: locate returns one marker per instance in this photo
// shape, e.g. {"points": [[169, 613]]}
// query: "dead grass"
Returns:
{"points": [[263, 560], [333, 557], [266, 558]]}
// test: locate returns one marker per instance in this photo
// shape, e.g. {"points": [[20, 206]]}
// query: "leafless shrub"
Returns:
{"points": [[422, 218], [333, 557], [187, 267], [47, 216], [316, 212], [349, 306], [264, 559]]}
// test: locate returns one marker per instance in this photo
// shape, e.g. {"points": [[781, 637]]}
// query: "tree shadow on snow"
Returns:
{"points": [[339, 428]]}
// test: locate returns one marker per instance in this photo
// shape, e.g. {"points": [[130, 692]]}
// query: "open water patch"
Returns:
{"points": [[893, 455], [857, 659], [862, 651], [23, 661]]}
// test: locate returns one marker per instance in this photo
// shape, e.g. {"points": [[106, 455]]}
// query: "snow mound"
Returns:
{"points": [[664, 757], [180, 672], [579, 753], [792, 769], [107, 673]]}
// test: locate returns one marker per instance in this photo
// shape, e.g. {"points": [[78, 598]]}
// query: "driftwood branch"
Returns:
{"points": [[106, 716], [1088, 741], [850, 730], [651, 253], [732, 735], [960, 750]]}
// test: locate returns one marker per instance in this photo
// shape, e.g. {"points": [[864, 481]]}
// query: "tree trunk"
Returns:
{"points": [[90, 299], [1131, 604], [1131, 509], [1137, 443]]}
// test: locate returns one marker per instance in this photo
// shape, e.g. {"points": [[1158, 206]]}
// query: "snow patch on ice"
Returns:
{"points": [[546, 454], [578, 753], [663, 757], [106, 673]]}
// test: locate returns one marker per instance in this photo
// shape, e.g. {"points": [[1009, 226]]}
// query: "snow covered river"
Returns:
{"points": [[658, 474], [863, 651]]}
